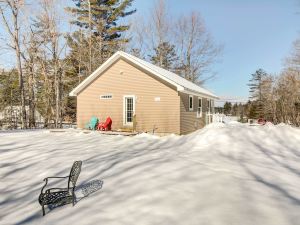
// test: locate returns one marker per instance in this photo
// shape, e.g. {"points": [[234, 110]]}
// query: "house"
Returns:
{"points": [[126, 87]]}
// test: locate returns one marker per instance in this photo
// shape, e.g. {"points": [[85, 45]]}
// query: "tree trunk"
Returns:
{"points": [[58, 90], [31, 98], [21, 83]]}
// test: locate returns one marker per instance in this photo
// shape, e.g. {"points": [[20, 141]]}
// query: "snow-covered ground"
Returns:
{"points": [[223, 174]]}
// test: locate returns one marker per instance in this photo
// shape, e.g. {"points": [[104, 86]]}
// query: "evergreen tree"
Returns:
{"points": [[256, 92], [165, 56], [253, 111], [99, 36], [9, 90], [227, 108], [100, 33], [235, 109]]}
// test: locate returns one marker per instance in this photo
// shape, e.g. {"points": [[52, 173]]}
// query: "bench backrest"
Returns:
{"points": [[74, 174]]}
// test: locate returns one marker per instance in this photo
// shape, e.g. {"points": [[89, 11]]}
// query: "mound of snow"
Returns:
{"points": [[234, 122], [222, 174], [215, 125], [282, 125], [269, 125]]}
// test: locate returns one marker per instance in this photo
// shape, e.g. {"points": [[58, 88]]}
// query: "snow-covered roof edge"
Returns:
{"points": [[179, 82]]}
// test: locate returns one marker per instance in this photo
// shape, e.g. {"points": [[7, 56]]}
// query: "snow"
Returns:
{"points": [[223, 174]]}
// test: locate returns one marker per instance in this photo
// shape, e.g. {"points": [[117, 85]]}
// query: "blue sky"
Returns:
{"points": [[255, 33]]}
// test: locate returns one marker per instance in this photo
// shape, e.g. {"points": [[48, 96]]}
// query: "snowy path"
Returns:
{"points": [[231, 174]]}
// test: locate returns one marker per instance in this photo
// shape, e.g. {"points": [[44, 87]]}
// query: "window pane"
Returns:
{"points": [[129, 112]]}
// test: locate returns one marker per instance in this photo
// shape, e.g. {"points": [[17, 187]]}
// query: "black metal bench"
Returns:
{"points": [[57, 196]]}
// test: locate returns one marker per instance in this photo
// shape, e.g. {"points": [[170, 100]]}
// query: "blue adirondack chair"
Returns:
{"points": [[92, 124]]}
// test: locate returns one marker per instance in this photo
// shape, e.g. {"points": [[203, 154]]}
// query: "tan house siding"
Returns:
{"points": [[121, 79], [188, 119]]}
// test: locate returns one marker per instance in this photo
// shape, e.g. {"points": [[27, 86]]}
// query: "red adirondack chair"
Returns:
{"points": [[106, 125]]}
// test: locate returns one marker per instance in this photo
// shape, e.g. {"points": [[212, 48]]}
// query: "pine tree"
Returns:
{"points": [[100, 33], [227, 108], [165, 55], [256, 92], [252, 111], [9, 92]]}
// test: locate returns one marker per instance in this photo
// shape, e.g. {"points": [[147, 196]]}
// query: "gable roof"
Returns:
{"points": [[179, 82]]}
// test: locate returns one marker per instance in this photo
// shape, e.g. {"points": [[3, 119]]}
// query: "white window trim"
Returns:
{"points": [[191, 108], [199, 115], [124, 115]]}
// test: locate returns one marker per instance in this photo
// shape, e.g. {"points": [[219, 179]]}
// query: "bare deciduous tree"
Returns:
{"points": [[29, 55], [10, 15], [53, 48], [197, 51], [193, 43]]}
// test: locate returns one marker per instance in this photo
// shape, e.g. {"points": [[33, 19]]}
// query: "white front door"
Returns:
{"points": [[128, 109]]}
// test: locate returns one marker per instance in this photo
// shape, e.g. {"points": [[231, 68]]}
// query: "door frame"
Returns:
{"points": [[124, 109]]}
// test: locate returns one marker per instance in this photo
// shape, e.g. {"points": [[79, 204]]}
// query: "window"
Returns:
{"points": [[199, 109], [129, 110], [210, 106], [107, 96], [191, 103]]}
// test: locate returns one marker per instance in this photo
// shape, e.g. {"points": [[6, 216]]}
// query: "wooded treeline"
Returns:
{"points": [[53, 53], [275, 98]]}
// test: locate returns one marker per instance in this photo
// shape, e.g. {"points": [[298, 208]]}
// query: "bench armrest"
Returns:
{"points": [[55, 177], [46, 180]]}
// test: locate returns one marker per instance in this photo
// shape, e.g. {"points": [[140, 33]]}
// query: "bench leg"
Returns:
{"points": [[43, 208], [73, 196]]}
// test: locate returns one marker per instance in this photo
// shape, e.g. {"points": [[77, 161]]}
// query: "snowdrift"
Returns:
{"points": [[222, 174]]}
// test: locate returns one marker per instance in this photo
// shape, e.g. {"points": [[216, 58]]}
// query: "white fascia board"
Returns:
{"points": [[202, 95]]}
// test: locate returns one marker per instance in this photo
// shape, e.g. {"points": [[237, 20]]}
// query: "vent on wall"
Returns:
{"points": [[107, 96]]}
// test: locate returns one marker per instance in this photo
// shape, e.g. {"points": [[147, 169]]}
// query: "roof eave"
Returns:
{"points": [[199, 94]]}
